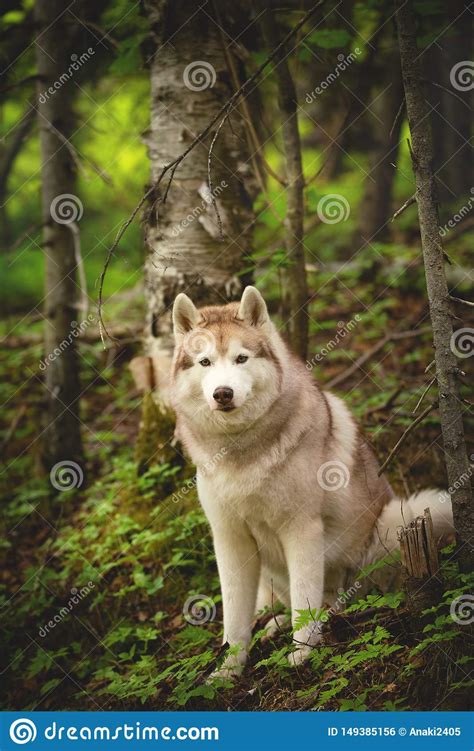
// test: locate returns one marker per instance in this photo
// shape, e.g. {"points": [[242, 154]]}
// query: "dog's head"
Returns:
{"points": [[227, 361]]}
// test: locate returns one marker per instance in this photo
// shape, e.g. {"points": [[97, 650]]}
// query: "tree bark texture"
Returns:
{"points": [[446, 363], [189, 82], [376, 208], [62, 438], [451, 101]]}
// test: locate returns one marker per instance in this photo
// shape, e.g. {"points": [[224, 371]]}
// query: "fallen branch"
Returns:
{"points": [[404, 435]]}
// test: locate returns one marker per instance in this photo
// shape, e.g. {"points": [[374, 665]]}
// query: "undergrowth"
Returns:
{"points": [[110, 593]]}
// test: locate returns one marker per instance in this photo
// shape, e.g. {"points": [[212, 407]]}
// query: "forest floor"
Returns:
{"points": [[116, 564]]}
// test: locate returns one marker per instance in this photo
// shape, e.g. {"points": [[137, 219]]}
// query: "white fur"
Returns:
{"points": [[279, 534]]}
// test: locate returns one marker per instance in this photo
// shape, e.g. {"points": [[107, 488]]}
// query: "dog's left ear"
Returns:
{"points": [[253, 308], [185, 314]]}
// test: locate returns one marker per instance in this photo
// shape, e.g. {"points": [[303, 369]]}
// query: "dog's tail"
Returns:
{"points": [[400, 512]]}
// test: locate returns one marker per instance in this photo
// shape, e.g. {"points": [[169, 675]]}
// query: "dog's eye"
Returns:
{"points": [[241, 358], [204, 362]]}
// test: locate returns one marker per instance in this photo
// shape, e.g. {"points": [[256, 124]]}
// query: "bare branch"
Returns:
{"points": [[405, 434], [469, 303], [394, 336], [425, 391], [409, 202]]}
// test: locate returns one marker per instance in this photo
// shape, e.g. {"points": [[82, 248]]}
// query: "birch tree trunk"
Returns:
{"points": [[62, 440], [446, 364], [189, 82]]}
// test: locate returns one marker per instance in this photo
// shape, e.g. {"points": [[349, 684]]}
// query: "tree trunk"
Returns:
{"points": [[189, 82], [451, 100], [294, 220], [446, 364], [62, 440], [376, 207]]}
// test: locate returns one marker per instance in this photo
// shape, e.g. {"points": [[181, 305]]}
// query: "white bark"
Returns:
{"points": [[187, 253]]}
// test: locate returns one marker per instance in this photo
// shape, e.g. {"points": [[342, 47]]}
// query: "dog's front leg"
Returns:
{"points": [[238, 563], [304, 550]]}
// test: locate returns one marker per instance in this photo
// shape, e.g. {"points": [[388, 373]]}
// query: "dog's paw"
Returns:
{"points": [[299, 656], [226, 672], [232, 667]]}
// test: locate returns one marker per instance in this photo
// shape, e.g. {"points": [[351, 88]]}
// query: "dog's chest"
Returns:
{"points": [[244, 493]]}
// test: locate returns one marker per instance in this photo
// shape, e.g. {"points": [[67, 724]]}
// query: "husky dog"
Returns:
{"points": [[287, 482]]}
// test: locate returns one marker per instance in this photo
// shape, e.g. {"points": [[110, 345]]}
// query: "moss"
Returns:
{"points": [[155, 437]]}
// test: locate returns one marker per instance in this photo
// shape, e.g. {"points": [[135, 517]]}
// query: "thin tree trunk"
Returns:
{"points": [[189, 82], [451, 116], [446, 364], [294, 221], [376, 208], [62, 440]]}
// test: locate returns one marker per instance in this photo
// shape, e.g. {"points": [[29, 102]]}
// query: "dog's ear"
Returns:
{"points": [[185, 314], [253, 308]]}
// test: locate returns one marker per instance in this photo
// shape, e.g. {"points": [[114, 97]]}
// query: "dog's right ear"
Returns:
{"points": [[253, 308], [185, 315]]}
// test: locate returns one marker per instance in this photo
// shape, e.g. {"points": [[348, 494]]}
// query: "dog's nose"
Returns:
{"points": [[223, 395]]}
